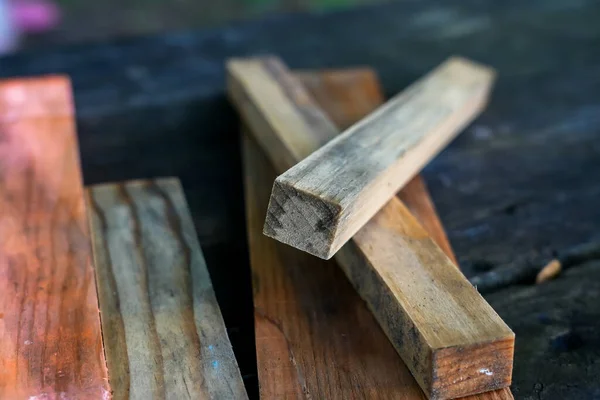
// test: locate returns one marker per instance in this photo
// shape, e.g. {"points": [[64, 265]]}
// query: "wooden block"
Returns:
{"points": [[347, 96], [450, 338], [321, 202], [164, 334], [50, 335]]}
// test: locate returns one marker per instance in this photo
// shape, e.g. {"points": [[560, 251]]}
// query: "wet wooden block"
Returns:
{"points": [[449, 337], [163, 331], [50, 335], [321, 202]]}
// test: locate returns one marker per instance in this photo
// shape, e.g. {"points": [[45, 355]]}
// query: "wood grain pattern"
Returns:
{"points": [[450, 338], [50, 335], [164, 334], [323, 200]]}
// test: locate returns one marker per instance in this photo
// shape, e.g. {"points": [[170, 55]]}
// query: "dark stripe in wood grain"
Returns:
{"points": [[115, 324], [185, 277], [158, 383]]}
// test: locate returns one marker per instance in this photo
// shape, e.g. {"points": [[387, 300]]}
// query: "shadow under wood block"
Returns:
{"points": [[449, 337], [50, 335], [163, 331], [323, 200]]}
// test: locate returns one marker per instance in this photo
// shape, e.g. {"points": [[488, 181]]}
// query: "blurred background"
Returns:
{"points": [[26, 24]]}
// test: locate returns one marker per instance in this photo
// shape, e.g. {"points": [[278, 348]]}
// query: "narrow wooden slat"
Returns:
{"points": [[164, 334], [50, 335], [451, 339], [346, 96], [321, 202]]}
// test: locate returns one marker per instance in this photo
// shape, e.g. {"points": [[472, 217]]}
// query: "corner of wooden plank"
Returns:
{"points": [[36, 97]]}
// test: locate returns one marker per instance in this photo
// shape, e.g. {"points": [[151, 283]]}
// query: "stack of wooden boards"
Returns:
{"points": [[159, 332], [450, 339]]}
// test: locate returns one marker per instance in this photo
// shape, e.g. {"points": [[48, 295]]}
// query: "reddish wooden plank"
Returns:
{"points": [[50, 337]]}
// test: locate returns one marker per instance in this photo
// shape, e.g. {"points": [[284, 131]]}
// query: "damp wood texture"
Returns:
{"points": [[323, 200], [306, 312], [164, 334], [50, 335], [449, 337]]}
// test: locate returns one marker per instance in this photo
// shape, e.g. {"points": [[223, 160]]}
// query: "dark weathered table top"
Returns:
{"points": [[520, 185]]}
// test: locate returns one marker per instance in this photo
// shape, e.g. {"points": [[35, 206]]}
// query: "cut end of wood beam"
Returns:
{"points": [[478, 368], [302, 220], [322, 201]]}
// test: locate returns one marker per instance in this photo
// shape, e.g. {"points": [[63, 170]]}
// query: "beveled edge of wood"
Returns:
{"points": [[36, 97], [281, 156], [456, 375], [283, 216]]}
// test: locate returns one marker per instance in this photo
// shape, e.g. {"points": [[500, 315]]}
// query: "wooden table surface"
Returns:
{"points": [[519, 186]]}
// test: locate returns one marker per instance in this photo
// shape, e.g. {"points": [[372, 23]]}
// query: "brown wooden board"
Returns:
{"points": [[50, 336], [315, 337], [163, 331]]}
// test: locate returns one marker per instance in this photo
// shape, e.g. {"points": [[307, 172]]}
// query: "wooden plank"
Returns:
{"points": [[451, 339], [50, 335], [164, 334], [321, 202]]}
